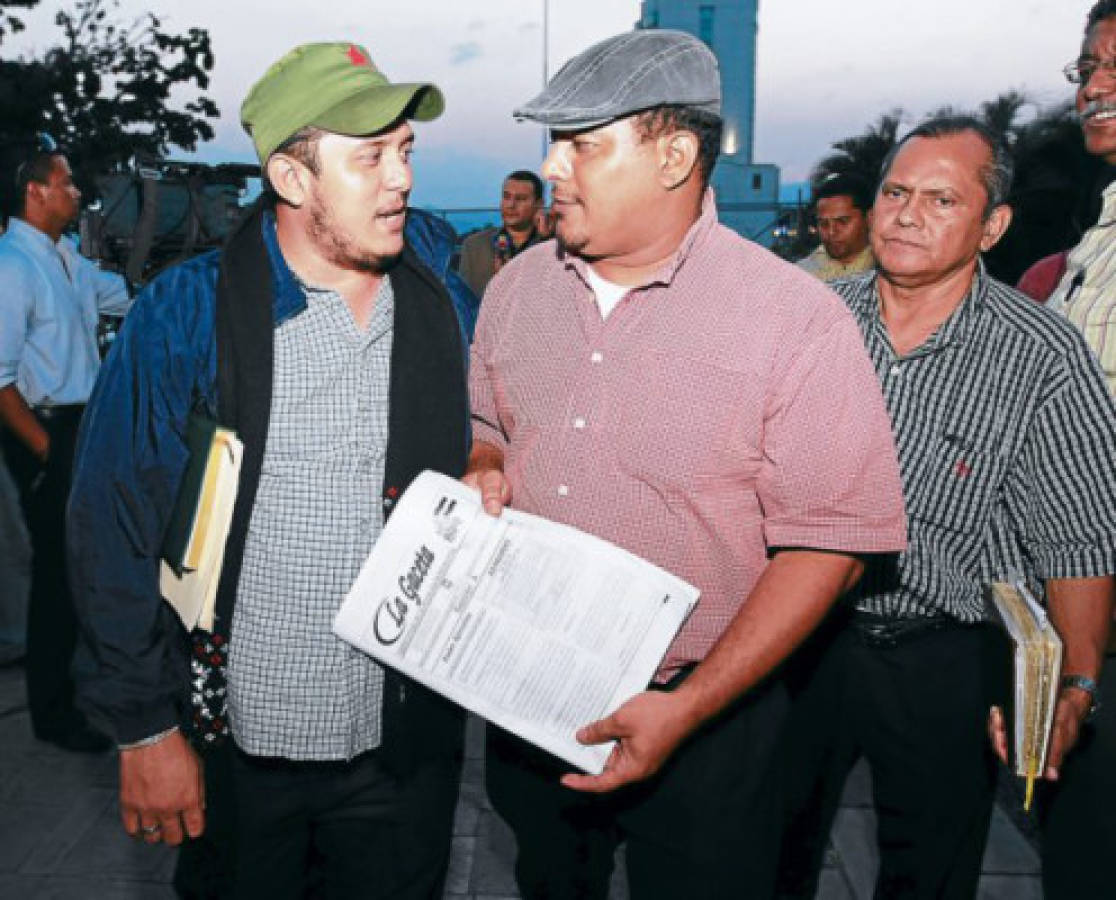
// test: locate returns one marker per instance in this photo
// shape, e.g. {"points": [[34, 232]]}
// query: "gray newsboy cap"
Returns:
{"points": [[625, 74]]}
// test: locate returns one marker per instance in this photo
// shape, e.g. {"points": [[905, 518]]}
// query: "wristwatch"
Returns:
{"points": [[1089, 686]]}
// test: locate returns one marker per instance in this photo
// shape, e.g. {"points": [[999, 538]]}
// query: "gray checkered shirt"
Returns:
{"points": [[1006, 435], [295, 689]]}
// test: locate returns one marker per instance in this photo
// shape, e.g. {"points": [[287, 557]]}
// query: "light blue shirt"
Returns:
{"points": [[50, 297]]}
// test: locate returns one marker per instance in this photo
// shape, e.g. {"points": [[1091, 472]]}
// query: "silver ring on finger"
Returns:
{"points": [[150, 830]]}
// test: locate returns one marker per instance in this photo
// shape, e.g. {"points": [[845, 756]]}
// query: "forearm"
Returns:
{"points": [[1081, 610], [790, 599], [18, 418]]}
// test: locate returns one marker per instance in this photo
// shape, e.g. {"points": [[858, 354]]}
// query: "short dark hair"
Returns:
{"points": [[34, 167], [1103, 9], [303, 146], [529, 177], [996, 174], [842, 184], [706, 126]]}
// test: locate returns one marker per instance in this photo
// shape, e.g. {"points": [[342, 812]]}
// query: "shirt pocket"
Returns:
{"points": [[957, 484]]}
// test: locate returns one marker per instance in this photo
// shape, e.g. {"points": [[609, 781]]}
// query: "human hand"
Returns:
{"points": [[162, 794], [1069, 714], [493, 486], [647, 729], [997, 733]]}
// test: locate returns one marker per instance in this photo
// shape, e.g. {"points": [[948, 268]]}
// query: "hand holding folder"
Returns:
{"points": [[194, 545]]}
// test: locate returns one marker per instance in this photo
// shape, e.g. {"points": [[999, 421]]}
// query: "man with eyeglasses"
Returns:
{"points": [[49, 304], [1079, 828]]}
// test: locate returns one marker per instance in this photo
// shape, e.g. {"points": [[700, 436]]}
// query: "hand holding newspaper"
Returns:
{"points": [[535, 626]]}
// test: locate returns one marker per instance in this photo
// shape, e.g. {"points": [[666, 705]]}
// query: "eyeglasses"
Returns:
{"points": [[1082, 70]]}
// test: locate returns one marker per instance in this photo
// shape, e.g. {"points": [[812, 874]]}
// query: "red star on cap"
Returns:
{"points": [[356, 57]]}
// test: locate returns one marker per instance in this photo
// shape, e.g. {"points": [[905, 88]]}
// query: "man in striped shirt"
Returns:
{"points": [[1006, 434]]}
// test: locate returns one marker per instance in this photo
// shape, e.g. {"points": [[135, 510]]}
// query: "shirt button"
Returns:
{"points": [[579, 423], [596, 356], [563, 490], [895, 370]]}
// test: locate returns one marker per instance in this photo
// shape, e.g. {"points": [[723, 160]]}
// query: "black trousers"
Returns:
{"points": [[280, 829], [1079, 811], [705, 827], [918, 712], [51, 624]]}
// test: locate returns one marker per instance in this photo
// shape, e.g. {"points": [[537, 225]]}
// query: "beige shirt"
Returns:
{"points": [[824, 267], [1086, 295]]}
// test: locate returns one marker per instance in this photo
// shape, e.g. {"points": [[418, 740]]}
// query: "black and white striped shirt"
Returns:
{"points": [[1006, 435]]}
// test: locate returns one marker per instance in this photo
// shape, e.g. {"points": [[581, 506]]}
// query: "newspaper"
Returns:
{"points": [[535, 626]]}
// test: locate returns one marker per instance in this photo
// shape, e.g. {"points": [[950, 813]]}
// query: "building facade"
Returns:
{"points": [[747, 192]]}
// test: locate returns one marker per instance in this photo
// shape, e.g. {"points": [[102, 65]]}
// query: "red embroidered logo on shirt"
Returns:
{"points": [[962, 469]]}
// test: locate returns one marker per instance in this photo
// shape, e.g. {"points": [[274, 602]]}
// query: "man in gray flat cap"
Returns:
{"points": [[656, 380]]}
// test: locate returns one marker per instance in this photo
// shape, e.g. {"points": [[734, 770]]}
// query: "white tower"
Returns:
{"points": [[747, 193]]}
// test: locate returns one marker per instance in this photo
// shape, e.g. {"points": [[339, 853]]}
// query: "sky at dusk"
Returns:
{"points": [[825, 69]]}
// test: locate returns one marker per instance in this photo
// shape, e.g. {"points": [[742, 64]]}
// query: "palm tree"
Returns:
{"points": [[863, 154]]}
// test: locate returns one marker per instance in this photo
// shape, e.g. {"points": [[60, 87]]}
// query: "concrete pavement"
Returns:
{"points": [[61, 838]]}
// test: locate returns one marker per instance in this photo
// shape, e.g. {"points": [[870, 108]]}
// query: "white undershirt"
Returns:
{"points": [[608, 294]]}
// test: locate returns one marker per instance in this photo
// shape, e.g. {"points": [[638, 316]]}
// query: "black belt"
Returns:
{"points": [[889, 631], [60, 412]]}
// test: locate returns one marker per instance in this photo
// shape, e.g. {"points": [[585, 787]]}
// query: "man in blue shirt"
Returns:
{"points": [[49, 306]]}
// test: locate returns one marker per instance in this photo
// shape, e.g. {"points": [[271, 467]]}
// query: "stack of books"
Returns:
{"points": [[1038, 663]]}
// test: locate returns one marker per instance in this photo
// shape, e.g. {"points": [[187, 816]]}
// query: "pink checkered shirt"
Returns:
{"points": [[724, 408]]}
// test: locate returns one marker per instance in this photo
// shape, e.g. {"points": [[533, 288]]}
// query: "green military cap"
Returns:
{"points": [[334, 87]]}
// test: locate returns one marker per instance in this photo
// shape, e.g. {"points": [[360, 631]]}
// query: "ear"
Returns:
{"points": [[678, 156], [289, 178], [34, 195], [870, 216], [994, 227]]}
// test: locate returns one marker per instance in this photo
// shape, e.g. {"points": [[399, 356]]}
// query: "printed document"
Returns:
{"points": [[536, 626]]}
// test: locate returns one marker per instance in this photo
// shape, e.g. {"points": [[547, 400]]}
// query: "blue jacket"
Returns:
{"points": [[433, 240]]}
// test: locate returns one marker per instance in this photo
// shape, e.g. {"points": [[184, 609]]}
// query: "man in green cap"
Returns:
{"points": [[334, 353]]}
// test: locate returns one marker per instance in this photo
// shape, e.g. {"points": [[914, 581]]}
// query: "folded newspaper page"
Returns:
{"points": [[533, 625]]}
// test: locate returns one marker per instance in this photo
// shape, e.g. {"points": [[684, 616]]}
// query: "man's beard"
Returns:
{"points": [[339, 247], [570, 244]]}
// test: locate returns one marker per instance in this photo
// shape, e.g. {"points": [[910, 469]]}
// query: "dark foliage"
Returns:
{"points": [[1056, 194], [105, 90]]}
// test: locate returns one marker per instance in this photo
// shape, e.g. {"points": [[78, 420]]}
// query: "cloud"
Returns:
{"points": [[462, 53]]}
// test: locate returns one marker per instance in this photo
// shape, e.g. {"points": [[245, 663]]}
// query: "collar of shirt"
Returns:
{"points": [[665, 275], [1108, 210], [290, 298], [954, 331], [38, 242]]}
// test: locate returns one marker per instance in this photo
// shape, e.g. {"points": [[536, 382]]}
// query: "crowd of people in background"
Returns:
{"points": [[841, 455]]}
